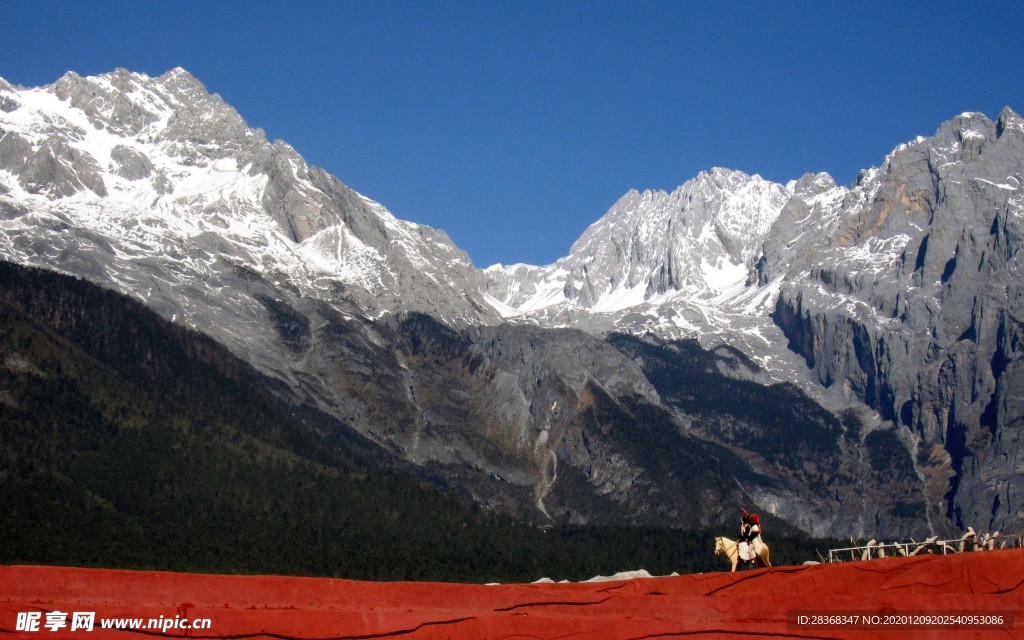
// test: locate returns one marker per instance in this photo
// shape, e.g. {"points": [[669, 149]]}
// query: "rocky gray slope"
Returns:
{"points": [[900, 293], [156, 188], [905, 292]]}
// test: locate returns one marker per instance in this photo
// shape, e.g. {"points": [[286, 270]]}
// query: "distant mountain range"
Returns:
{"points": [[845, 358]]}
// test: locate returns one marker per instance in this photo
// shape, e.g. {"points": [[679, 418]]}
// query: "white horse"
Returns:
{"points": [[732, 552]]}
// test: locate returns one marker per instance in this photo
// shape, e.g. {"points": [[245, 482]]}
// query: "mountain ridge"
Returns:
{"points": [[154, 187]]}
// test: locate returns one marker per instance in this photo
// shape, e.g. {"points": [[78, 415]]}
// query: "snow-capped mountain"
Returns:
{"points": [[701, 241], [894, 300], [901, 291], [157, 188], [672, 264]]}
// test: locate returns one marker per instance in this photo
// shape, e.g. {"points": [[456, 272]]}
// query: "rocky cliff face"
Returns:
{"points": [[900, 292], [905, 292]]}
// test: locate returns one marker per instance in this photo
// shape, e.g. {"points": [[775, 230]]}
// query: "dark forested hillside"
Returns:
{"points": [[126, 441]]}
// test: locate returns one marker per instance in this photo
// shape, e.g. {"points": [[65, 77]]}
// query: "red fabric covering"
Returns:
{"points": [[716, 605]]}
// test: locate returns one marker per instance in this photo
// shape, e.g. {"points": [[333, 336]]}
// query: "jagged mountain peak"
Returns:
{"points": [[159, 167], [811, 184], [128, 102], [697, 242], [1009, 121]]}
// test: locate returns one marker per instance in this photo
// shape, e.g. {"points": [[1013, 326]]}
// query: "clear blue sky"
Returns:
{"points": [[514, 125]]}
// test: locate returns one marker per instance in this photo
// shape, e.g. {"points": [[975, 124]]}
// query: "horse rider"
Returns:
{"points": [[750, 536]]}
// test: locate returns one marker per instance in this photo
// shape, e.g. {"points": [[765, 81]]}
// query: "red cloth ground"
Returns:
{"points": [[761, 603]]}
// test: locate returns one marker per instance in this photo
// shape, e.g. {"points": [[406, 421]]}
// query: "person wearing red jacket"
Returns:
{"points": [[750, 536]]}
